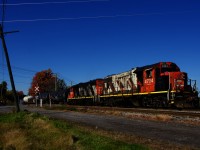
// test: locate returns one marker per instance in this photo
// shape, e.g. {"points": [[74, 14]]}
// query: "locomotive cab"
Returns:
{"points": [[170, 77], [166, 81], [164, 76]]}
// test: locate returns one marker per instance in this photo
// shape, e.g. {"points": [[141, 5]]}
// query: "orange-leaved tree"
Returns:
{"points": [[45, 80]]}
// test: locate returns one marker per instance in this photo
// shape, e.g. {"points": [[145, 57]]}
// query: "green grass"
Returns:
{"points": [[32, 131]]}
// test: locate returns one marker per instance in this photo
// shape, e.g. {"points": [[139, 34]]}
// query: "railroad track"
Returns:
{"points": [[183, 113]]}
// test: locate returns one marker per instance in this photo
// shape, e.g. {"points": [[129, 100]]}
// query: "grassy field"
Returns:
{"points": [[24, 131]]}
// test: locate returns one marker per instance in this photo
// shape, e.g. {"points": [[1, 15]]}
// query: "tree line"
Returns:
{"points": [[46, 80], [6, 96]]}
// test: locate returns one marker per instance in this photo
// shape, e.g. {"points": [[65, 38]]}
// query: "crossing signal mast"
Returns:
{"points": [[2, 33]]}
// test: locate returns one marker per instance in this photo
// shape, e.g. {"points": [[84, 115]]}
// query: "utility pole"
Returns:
{"points": [[9, 67], [55, 82]]}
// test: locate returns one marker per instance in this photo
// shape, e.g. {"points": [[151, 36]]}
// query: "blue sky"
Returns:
{"points": [[98, 38]]}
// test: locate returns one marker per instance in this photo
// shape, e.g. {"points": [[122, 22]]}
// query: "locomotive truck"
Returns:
{"points": [[158, 85]]}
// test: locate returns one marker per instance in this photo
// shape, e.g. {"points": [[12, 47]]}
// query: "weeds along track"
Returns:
{"points": [[188, 117], [191, 113]]}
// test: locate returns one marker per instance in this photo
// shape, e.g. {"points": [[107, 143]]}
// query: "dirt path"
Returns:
{"points": [[165, 131]]}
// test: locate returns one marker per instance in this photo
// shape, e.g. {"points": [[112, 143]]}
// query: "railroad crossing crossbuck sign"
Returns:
{"points": [[37, 89]]}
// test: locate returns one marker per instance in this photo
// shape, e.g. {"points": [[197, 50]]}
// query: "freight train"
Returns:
{"points": [[158, 85]]}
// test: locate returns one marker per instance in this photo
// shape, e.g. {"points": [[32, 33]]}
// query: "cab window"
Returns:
{"points": [[149, 73]]}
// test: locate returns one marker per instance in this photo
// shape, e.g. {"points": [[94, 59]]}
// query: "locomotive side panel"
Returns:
{"points": [[125, 82]]}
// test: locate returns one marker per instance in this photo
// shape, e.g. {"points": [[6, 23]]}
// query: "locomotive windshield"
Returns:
{"points": [[169, 67]]}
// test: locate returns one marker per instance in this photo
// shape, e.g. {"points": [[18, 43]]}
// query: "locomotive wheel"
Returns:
{"points": [[180, 105], [156, 103], [196, 103], [135, 103], [144, 102]]}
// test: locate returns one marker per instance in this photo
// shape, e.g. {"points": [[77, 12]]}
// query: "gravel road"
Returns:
{"points": [[166, 131]]}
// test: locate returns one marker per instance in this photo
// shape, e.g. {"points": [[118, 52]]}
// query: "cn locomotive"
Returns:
{"points": [[158, 85]]}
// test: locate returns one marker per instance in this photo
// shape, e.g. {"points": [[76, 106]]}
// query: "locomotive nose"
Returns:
{"points": [[179, 81]]}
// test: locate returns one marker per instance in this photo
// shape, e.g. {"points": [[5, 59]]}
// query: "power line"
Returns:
{"points": [[23, 69], [18, 71], [44, 3], [19, 68], [18, 74], [78, 18], [26, 83], [94, 17]]}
